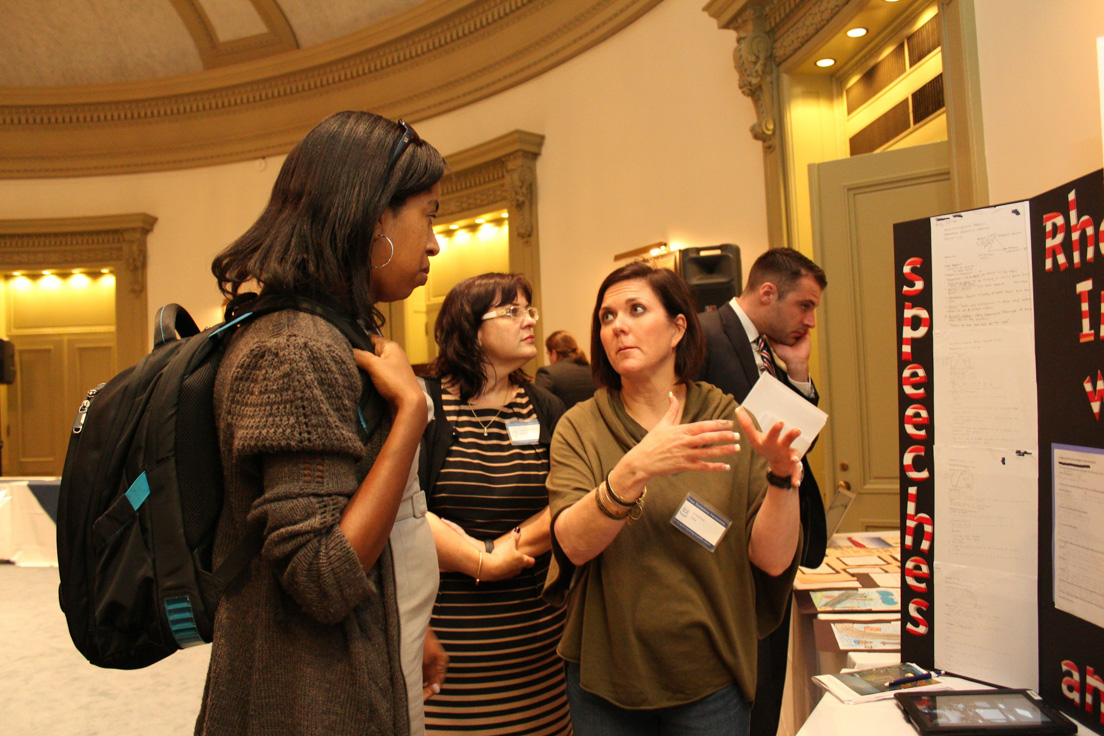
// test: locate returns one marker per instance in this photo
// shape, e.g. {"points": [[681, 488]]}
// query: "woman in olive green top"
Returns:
{"points": [[674, 549]]}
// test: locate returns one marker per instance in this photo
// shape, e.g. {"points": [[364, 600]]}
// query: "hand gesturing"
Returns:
{"points": [[670, 447], [774, 445]]}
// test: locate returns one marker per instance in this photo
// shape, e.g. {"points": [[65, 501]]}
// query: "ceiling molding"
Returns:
{"points": [[436, 57]]}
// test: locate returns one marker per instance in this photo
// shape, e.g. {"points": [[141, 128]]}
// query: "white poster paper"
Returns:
{"points": [[986, 445], [987, 624], [1078, 474]]}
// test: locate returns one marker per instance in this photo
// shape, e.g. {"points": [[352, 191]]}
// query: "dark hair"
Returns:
{"points": [[676, 298], [563, 344], [316, 234], [457, 329], [783, 267]]}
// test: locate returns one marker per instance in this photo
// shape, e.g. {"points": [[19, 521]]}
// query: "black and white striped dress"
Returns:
{"points": [[504, 674]]}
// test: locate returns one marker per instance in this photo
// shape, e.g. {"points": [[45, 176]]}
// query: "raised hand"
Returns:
{"points": [[775, 445], [670, 447], [796, 356], [391, 374]]}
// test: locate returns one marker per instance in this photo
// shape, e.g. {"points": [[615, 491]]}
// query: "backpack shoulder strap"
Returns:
{"points": [[173, 322], [252, 304]]}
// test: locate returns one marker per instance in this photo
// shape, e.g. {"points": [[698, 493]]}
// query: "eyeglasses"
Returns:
{"points": [[513, 312], [409, 136]]}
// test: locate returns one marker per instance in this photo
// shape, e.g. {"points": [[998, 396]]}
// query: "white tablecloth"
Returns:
{"points": [[28, 535], [832, 717]]}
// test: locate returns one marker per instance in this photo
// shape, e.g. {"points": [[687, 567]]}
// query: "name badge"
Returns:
{"points": [[523, 432], [701, 522]]}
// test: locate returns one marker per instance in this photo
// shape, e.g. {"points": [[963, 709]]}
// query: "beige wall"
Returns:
{"points": [[1040, 96], [646, 140], [198, 212]]}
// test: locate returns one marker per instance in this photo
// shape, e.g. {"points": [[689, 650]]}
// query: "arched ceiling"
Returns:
{"points": [[56, 43], [120, 86]]}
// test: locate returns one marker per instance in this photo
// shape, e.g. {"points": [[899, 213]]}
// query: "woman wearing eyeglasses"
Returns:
{"points": [[318, 443], [483, 463]]}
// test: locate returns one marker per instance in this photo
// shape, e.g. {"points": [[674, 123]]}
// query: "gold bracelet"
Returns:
{"points": [[602, 506], [479, 570]]}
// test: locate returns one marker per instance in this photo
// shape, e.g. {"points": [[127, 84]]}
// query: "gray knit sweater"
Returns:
{"points": [[305, 642]]}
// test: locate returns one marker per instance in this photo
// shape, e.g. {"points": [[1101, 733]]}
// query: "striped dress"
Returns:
{"points": [[504, 674]]}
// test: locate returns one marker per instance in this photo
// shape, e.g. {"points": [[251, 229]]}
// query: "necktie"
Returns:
{"points": [[765, 354]]}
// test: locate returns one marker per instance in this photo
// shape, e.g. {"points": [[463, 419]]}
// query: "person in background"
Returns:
{"points": [[306, 640], [663, 620], [772, 318], [484, 463], [567, 374]]}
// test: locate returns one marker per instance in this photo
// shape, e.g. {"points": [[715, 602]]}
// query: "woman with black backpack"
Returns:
{"points": [[318, 442]]}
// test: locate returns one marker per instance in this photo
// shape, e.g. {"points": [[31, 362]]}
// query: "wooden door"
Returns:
{"points": [[856, 202], [52, 374]]}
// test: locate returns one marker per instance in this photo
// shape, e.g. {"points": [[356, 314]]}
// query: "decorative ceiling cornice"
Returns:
{"points": [[769, 32], [436, 57]]}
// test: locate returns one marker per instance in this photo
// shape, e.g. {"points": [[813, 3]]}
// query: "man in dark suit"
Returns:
{"points": [[766, 329], [567, 374]]}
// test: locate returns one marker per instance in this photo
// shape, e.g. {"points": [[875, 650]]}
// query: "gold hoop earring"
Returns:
{"points": [[381, 235]]}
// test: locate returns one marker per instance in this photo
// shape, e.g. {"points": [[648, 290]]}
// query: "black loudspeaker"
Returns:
{"points": [[712, 272], [7, 361]]}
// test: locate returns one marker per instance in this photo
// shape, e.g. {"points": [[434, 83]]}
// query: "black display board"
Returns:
{"points": [[1068, 284], [916, 373], [1068, 273]]}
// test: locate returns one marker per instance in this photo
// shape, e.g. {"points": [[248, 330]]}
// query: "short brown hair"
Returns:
{"points": [[783, 267], [676, 298]]}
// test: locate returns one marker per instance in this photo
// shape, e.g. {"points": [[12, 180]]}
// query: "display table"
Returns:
{"points": [[28, 513], [832, 717], [812, 652]]}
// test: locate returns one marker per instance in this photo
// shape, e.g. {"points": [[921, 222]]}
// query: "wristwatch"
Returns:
{"points": [[489, 544], [779, 481]]}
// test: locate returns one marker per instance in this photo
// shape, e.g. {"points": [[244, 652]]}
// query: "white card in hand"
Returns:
{"points": [[772, 401]]}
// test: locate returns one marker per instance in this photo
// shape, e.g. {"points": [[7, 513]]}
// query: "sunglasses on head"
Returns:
{"points": [[409, 135]]}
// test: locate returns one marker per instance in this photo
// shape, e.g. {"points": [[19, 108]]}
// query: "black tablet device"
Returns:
{"points": [[982, 713]]}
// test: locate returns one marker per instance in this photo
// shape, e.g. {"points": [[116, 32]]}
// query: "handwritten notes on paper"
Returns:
{"points": [[986, 444], [984, 267]]}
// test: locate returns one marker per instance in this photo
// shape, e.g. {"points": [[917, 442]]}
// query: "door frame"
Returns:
{"points": [[916, 166], [115, 242], [773, 38], [499, 174]]}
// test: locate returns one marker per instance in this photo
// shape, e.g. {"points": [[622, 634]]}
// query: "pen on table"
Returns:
{"points": [[914, 678]]}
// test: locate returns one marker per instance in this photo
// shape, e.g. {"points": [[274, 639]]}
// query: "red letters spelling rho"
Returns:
{"points": [[1054, 224]]}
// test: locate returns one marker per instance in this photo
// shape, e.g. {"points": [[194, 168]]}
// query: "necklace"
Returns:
{"points": [[487, 426]]}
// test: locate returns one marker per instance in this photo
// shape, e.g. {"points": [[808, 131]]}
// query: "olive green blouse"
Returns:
{"points": [[656, 619]]}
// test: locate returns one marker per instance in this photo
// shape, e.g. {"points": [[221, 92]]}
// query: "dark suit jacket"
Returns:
{"points": [[568, 380], [730, 366]]}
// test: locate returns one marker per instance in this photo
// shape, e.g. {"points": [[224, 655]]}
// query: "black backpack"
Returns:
{"points": [[141, 492]]}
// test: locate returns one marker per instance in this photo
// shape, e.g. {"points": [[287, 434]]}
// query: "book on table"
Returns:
{"points": [[863, 686]]}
